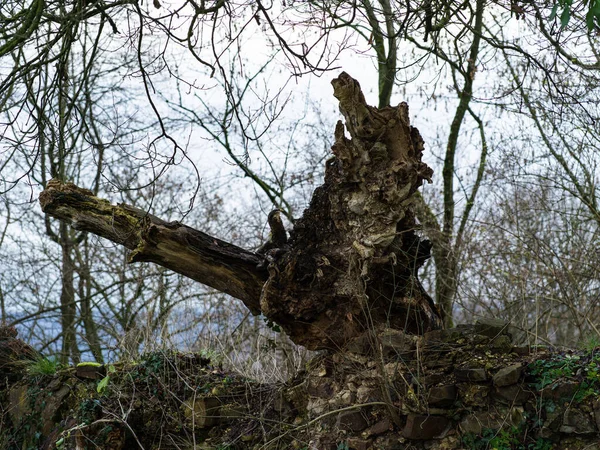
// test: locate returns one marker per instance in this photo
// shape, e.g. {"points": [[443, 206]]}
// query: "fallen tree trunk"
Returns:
{"points": [[351, 262], [203, 258]]}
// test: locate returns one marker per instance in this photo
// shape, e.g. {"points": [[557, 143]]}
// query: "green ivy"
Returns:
{"points": [[564, 9], [88, 410], [506, 439], [103, 383], [548, 371], [583, 368]]}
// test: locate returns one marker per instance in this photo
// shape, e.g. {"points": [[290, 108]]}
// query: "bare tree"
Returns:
{"points": [[459, 41]]}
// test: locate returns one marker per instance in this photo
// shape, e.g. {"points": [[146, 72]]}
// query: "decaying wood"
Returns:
{"points": [[211, 261], [352, 258]]}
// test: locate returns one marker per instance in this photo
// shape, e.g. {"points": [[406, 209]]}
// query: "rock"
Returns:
{"points": [[433, 378], [478, 421], [514, 394], [442, 395], [552, 415], [491, 327], [351, 421], [471, 424], [425, 427], [358, 444], [439, 412], [501, 344], [562, 390], [473, 394], [320, 387], [477, 374], [521, 350], [379, 428], [202, 412], [56, 434], [508, 375], [453, 336], [397, 343], [19, 403], [47, 408], [546, 433], [231, 412], [54, 404], [577, 422], [90, 371], [434, 361], [596, 406], [55, 384], [518, 336]]}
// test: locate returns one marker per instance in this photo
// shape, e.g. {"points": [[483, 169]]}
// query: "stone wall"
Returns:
{"points": [[468, 387]]}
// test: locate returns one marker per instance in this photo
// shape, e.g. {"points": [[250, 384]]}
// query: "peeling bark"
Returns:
{"points": [[351, 262], [353, 256]]}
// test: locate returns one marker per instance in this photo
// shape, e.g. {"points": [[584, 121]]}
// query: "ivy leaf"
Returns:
{"points": [[565, 17], [102, 384], [592, 18]]}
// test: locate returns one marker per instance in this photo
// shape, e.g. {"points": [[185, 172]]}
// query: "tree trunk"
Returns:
{"points": [[86, 304], [351, 262], [68, 310], [445, 278]]}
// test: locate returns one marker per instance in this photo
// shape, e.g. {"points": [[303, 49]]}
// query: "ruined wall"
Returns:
{"points": [[468, 387]]}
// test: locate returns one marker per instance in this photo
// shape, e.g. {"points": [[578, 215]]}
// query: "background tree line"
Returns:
{"points": [[214, 113]]}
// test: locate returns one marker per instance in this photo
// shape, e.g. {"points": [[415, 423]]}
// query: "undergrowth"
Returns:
{"points": [[43, 366], [582, 367]]}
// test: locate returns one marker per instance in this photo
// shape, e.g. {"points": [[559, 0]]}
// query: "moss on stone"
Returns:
{"points": [[89, 364]]}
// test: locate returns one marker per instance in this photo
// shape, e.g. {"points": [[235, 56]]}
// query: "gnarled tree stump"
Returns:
{"points": [[351, 262]]}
